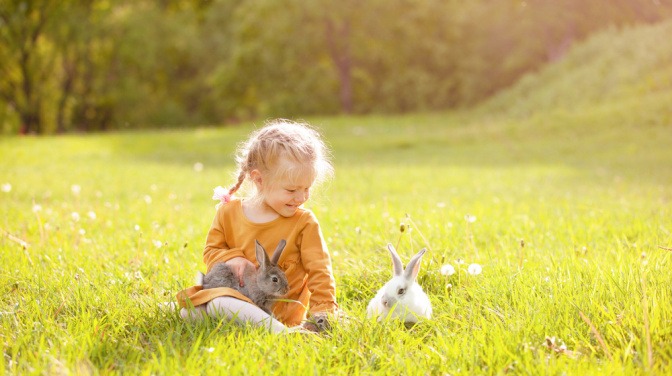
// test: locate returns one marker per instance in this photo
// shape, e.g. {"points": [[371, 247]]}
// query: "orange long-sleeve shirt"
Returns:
{"points": [[305, 260]]}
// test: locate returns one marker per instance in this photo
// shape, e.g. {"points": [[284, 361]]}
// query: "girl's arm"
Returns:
{"points": [[317, 264], [216, 247]]}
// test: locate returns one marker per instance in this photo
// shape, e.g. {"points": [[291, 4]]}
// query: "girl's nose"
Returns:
{"points": [[301, 196]]}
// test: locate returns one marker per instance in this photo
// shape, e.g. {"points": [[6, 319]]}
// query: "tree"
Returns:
{"points": [[26, 58]]}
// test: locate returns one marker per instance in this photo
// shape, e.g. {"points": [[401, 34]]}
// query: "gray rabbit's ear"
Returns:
{"points": [[413, 266], [262, 257], [396, 261], [278, 251]]}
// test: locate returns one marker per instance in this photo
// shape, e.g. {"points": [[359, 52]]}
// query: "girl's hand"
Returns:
{"points": [[238, 264]]}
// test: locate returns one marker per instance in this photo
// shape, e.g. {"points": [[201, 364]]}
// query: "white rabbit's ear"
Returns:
{"points": [[262, 257], [396, 261], [278, 251], [413, 266]]}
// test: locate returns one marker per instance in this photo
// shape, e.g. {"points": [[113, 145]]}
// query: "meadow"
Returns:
{"points": [[567, 210]]}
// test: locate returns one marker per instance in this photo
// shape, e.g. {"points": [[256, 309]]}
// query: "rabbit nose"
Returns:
{"points": [[385, 303]]}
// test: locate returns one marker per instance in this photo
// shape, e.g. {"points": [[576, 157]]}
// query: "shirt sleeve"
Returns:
{"points": [[317, 264], [216, 248]]}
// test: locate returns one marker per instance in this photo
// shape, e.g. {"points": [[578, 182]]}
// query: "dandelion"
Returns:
{"points": [[474, 269], [211, 349], [157, 243], [6, 187], [91, 214], [137, 227], [447, 270], [37, 208], [440, 204], [148, 199], [198, 166], [470, 218], [76, 189], [75, 216], [459, 261]]}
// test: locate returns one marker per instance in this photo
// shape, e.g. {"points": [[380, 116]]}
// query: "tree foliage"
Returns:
{"points": [[92, 65]]}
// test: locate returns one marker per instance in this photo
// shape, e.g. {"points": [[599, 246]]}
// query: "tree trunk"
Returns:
{"points": [[339, 49]]}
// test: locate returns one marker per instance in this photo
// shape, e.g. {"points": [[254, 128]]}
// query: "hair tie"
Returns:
{"points": [[222, 195]]}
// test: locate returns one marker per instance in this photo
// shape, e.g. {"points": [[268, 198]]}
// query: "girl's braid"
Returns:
{"points": [[241, 178]]}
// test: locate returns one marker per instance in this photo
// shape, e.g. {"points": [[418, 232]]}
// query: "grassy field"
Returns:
{"points": [[567, 211], [115, 224]]}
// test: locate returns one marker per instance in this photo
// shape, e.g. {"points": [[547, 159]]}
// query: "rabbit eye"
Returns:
{"points": [[275, 279], [401, 291]]}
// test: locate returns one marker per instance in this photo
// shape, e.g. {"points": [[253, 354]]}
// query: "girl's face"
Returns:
{"points": [[287, 194]]}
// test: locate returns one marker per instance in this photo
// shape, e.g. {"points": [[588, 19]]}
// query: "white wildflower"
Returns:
{"points": [[157, 243], [148, 199], [6, 187], [75, 216], [91, 214], [470, 218], [37, 208], [447, 270], [76, 189], [137, 227], [198, 166], [474, 269]]}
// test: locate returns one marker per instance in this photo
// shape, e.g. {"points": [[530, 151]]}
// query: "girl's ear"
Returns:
{"points": [[255, 176]]}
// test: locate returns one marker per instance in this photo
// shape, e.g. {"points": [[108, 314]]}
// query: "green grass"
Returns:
{"points": [[572, 208], [627, 65], [82, 296]]}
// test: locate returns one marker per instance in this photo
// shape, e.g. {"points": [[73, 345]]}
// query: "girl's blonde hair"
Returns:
{"points": [[283, 141]]}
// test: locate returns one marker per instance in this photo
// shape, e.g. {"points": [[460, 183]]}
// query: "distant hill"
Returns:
{"points": [[623, 70]]}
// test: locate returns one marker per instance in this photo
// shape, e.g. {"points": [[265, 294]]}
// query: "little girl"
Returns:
{"points": [[283, 160]]}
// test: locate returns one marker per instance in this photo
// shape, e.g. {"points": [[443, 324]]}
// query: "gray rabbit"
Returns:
{"points": [[262, 285]]}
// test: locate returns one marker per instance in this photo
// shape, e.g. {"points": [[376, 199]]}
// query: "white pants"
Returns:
{"points": [[226, 307]]}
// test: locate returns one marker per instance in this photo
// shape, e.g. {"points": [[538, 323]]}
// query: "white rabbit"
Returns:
{"points": [[402, 297]]}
